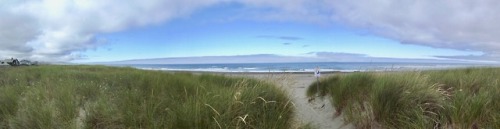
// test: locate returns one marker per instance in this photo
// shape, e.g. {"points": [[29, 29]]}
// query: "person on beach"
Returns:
{"points": [[316, 72]]}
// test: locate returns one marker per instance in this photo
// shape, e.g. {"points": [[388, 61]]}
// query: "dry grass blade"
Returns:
{"points": [[213, 109], [220, 127], [243, 118]]}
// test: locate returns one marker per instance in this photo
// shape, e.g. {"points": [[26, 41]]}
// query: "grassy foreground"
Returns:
{"points": [[458, 99], [107, 97]]}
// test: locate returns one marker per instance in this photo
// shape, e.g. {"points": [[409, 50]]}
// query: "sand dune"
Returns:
{"points": [[318, 113]]}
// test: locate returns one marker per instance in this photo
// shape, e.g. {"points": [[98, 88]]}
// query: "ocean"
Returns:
{"points": [[303, 67]]}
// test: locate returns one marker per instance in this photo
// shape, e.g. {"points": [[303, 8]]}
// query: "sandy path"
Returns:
{"points": [[315, 113]]}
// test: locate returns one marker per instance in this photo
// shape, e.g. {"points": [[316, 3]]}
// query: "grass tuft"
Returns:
{"points": [[459, 98], [109, 97]]}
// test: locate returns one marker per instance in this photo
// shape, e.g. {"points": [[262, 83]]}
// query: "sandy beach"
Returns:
{"points": [[319, 113]]}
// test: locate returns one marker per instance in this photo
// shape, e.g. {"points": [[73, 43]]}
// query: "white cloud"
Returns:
{"points": [[454, 24], [16, 31], [60, 29]]}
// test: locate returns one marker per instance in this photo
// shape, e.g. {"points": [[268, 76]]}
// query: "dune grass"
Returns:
{"points": [[459, 98], [108, 97]]}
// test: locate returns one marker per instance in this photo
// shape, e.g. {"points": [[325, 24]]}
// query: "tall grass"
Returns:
{"points": [[459, 98], [107, 97]]}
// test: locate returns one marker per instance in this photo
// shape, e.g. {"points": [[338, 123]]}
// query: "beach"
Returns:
{"points": [[318, 113], [92, 96]]}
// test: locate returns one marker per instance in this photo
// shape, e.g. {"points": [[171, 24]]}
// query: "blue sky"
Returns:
{"points": [[201, 34], [82, 31]]}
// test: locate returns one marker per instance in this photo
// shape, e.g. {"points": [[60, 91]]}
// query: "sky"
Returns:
{"points": [[83, 31]]}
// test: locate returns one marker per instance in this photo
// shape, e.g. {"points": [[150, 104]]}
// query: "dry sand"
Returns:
{"points": [[319, 113]]}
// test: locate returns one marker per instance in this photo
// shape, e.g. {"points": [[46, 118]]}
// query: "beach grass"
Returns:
{"points": [[456, 98], [109, 97]]}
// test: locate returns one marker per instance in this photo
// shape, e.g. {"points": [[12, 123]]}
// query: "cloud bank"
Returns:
{"points": [[272, 58], [454, 24], [61, 29], [451, 24]]}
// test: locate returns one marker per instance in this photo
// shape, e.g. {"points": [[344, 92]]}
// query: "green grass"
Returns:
{"points": [[459, 98], [108, 97]]}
